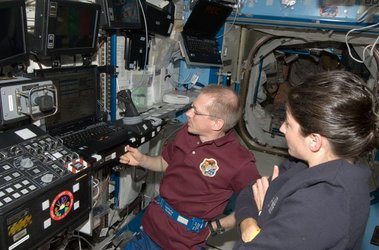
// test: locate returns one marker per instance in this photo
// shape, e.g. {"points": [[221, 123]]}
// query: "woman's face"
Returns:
{"points": [[296, 142]]}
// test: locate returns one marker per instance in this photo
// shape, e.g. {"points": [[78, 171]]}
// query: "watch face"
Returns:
{"points": [[220, 230]]}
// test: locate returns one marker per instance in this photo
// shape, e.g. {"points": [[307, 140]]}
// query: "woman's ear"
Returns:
{"points": [[315, 142]]}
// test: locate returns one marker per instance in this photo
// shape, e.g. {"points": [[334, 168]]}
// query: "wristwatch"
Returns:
{"points": [[213, 232], [219, 229]]}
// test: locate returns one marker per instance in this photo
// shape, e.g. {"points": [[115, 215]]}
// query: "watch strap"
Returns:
{"points": [[219, 229]]}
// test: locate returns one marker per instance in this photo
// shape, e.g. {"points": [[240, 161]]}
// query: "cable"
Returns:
{"points": [[367, 47], [99, 187], [231, 25], [373, 46], [95, 183], [102, 106], [146, 45], [80, 243], [146, 33], [84, 239], [175, 55], [150, 109], [362, 17], [37, 61]]}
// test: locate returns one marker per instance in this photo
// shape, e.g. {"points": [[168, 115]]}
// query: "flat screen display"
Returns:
{"points": [[125, 11], [13, 46], [71, 27], [121, 14], [65, 27], [78, 95]]}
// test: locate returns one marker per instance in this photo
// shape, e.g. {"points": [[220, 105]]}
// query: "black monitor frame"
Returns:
{"points": [[18, 43], [46, 26], [72, 84], [112, 9]]}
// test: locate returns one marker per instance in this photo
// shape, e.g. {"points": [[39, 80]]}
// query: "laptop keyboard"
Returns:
{"points": [[84, 136], [195, 45]]}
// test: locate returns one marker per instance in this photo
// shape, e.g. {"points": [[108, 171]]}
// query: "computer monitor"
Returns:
{"points": [[13, 32], [78, 95], [65, 27], [121, 14]]}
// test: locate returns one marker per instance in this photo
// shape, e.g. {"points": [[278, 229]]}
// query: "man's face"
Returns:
{"points": [[199, 119]]}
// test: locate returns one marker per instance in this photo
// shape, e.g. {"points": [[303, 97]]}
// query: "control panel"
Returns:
{"points": [[44, 188]]}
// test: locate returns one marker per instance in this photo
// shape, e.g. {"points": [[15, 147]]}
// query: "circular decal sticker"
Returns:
{"points": [[61, 205]]}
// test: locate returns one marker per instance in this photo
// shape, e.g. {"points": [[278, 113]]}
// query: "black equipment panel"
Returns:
{"points": [[45, 188]]}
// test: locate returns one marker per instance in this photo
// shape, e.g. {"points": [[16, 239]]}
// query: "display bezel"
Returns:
{"points": [[22, 54], [46, 24], [110, 19]]}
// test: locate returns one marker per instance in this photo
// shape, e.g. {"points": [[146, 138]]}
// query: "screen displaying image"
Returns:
{"points": [[73, 28], [126, 11], [122, 14]]}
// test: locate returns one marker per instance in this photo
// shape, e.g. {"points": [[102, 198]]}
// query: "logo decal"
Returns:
{"points": [[209, 167], [61, 205]]}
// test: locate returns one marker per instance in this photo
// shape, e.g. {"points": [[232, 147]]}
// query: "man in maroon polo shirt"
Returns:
{"points": [[204, 165]]}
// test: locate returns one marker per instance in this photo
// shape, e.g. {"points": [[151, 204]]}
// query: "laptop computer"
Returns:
{"points": [[78, 94], [198, 40], [78, 121]]}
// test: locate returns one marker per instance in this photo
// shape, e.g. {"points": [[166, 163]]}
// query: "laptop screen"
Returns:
{"points": [[78, 95], [206, 19]]}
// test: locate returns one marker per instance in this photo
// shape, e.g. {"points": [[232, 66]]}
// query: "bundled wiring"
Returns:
{"points": [[96, 189]]}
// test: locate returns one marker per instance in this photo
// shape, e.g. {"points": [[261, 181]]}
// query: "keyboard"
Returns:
{"points": [[103, 143], [100, 139], [201, 46], [82, 137], [200, 51]]}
